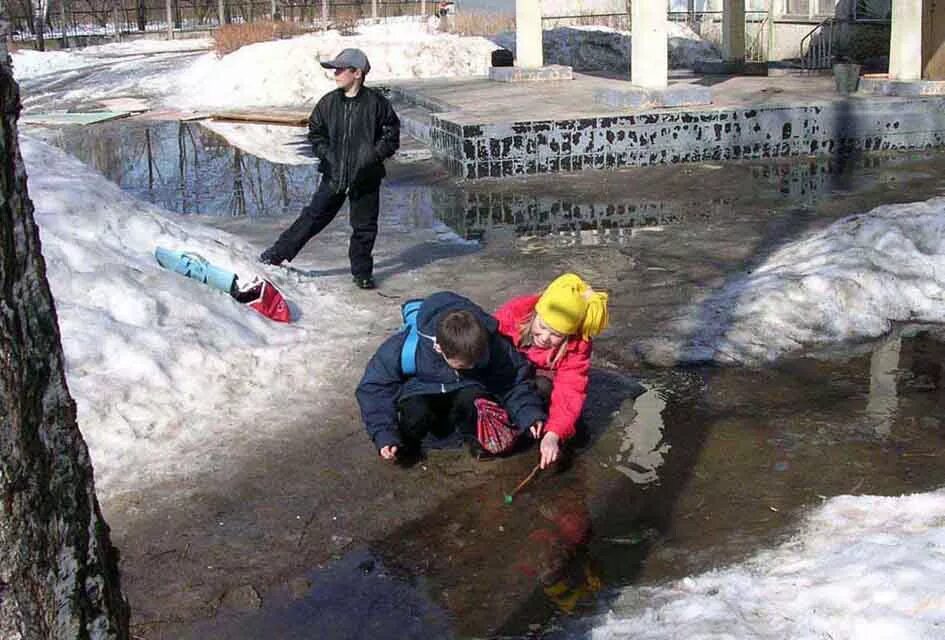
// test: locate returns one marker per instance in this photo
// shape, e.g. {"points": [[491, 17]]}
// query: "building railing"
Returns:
{"points": [[816, 48]]}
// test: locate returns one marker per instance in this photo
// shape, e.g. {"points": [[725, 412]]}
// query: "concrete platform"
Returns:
{"points": [[483, 129], [883, 86]]}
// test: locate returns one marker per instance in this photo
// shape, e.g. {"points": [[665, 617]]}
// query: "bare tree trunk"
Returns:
{"points": [[142, 15], [64, 12], [117, 17], [58, 569], [39, 22]]}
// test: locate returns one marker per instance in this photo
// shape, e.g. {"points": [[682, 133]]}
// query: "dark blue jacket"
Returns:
{"points": [[503, 372]]}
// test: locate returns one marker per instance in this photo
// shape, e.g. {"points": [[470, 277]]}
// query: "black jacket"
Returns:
{"points": [[352, 137], [503, 372]]}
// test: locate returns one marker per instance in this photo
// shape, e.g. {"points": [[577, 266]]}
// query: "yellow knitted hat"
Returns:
{"points": [[570, 307]]}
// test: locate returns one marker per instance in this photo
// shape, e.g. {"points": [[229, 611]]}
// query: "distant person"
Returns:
{"points": [[554, 330], [353, 129], [459, 357]]}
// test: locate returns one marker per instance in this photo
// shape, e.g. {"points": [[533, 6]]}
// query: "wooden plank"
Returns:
{"points": [[57, 119], [292, 118]]}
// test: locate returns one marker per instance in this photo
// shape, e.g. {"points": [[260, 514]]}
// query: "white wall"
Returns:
{"points": [[579, 7]]}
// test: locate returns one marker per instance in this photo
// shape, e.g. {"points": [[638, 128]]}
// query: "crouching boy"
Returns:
{"points": [[430, 386]]}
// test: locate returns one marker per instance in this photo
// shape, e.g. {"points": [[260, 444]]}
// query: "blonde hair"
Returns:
{"points": [[525, 340]]}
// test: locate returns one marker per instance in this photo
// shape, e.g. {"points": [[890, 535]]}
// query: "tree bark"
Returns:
{"points": [[58, 569]]}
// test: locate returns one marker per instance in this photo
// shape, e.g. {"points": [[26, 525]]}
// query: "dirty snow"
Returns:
{"points": [[847, 282], [166, 373], [861, 567]]}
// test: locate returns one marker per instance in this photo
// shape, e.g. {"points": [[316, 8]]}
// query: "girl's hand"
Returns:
{"points": [[536, 429], [389, 452], [550, 449]]}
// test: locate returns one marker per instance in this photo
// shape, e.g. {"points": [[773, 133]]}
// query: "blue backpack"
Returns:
{"points": [[408, 353]]}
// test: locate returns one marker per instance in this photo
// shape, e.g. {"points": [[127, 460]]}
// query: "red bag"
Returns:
{"points": [[493, 427], [264, 297]]}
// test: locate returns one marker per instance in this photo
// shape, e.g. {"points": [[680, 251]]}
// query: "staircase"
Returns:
{"points": [[817, 46]]}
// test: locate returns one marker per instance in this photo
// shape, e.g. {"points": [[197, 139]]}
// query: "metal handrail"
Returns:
{"points": [[756, 51], [819, 51]]}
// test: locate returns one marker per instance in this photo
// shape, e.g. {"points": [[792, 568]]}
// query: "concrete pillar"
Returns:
{"points": [[528, 46], [733, 30], [905, 46], [649, 59]]}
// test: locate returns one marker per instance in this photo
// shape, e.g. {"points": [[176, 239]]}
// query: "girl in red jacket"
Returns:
{"points": [[554, 331]]}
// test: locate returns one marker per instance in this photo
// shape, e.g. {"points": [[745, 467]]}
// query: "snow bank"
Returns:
{"points": [[605, 49], [847, 282], [170, 376], [862, 567], [286, 73]]}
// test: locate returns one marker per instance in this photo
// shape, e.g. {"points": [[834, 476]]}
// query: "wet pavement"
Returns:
{"points": [[684, 468]]}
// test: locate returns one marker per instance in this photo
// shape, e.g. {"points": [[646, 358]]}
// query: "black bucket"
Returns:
{"points": [[502, 58]]}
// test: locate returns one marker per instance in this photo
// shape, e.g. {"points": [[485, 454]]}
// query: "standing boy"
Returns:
{"points": [[353, 129], [459, 356]]}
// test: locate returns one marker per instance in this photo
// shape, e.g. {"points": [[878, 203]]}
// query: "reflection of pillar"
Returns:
{"points": [[649, 60], [528, 51], [883, 399], [733, 30], [182, 163], [905, 41], [147, 140], [642, 448], [239, 197]]}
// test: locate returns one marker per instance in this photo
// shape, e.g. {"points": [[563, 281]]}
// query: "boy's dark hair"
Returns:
{"points": [[461, 335]]}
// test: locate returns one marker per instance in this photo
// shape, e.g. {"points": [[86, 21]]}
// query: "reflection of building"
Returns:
{"points": [[472, 215]]}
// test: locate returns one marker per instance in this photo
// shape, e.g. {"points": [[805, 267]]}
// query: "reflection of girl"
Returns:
{"points": [[557, 555], [554, 331]]}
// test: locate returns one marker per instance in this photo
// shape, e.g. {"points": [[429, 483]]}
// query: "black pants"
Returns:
{"points": [[364, 205], [439, 415]]}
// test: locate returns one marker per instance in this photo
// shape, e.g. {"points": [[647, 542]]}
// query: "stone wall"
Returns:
{"points": [[479, 150]]}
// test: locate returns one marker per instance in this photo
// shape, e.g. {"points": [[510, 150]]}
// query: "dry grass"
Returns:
{"points": [[619, 22], [481, 24], [231, 37]]}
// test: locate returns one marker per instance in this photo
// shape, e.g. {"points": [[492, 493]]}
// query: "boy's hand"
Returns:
{"points": [[536, 429], [549, 449], [389, 452]]}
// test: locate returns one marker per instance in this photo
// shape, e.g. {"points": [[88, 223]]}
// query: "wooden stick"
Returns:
{"points": [[525, 481]]}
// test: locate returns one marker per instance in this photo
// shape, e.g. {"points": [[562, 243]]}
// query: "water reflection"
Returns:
{"points": [[642, 448], [184, 167], [188, 168], [356, 598], [910, 360]]}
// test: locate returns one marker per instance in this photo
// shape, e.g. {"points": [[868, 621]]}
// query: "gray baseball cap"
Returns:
{"points": [[353, 58]]}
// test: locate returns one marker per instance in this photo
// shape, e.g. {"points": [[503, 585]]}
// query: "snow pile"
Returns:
{"points": [[863, 567], [286, 73], [849, 281], [605, 49], [28, 64], [167, 373]]}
